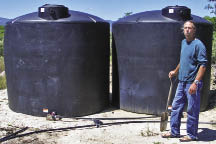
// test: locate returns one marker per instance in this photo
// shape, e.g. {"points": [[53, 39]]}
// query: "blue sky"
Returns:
{"points": [[106, 9]]}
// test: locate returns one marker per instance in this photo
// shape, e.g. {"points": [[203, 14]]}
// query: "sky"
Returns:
{"points": [[105, 9]]}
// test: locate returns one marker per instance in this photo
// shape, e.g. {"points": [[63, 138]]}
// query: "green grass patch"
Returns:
{"points": [[2, 78], [3, 82], [2, 65], [1, 40], [214, 48]]}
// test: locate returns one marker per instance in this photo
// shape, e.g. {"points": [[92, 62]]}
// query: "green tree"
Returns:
{"points": [[127, 14], [212, 20], [211, 6], [214, 48]]}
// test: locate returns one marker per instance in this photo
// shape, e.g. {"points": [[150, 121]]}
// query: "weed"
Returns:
{"points": [[157, 143], [3, 82], [148, 133], [2, 66]]}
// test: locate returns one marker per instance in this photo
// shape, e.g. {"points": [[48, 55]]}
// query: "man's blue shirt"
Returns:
{"points": [[193, 55]]}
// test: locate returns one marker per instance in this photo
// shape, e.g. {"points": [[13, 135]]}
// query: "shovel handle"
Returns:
{"points": [[170, 93]]}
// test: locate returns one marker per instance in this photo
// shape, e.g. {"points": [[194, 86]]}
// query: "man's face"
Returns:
{"points": [[189, 30]]}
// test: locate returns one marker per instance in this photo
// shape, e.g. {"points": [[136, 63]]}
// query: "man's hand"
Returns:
{"points": [[192, 89], [172, 74]]}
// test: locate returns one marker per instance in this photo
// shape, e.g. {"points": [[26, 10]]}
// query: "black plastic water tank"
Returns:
{"points": [[59, 60], [146, 46]]}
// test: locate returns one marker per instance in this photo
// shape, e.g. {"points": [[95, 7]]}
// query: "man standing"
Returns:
{"points": [[190, 72]]}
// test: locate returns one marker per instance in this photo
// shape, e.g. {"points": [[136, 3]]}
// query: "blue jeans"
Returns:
{"points": [[182, 96]]}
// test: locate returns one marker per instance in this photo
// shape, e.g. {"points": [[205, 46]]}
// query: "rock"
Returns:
{"points": [[2, 73]]}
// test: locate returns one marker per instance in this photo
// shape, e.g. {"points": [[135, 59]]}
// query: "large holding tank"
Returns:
{"points": [[58, 60], [146, 46]]}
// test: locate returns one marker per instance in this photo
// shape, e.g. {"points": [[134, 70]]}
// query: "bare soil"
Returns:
{"points": [[119, 127]]}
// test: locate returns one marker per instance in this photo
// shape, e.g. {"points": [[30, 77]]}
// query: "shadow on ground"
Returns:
{"points": [[207, 135], [212, 100]]}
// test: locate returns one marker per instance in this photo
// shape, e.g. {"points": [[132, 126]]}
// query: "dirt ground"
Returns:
{"points": [[119, 127]]}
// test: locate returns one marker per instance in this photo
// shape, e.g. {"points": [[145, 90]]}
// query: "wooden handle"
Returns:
{"points": [[170, 93]]}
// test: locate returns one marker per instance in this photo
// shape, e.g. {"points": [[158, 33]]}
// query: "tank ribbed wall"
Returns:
{"points": [[61, 65], [147, 47]]}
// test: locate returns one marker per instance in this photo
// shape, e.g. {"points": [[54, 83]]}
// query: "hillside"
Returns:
{"points": [[3, 21]]}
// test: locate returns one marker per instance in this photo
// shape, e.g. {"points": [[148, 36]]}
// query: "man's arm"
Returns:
{"points": [[199, 77], [174, 72], [200, 73]]}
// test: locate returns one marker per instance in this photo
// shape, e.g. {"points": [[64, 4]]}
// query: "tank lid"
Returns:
{"points": [[53, 12], [177, 13]]}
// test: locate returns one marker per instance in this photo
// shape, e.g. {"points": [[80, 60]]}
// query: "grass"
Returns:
{"points": [[2, 78], [148, 132], [2, 66], [214, 48], [157, 143], [1, 40], [3, 82]]}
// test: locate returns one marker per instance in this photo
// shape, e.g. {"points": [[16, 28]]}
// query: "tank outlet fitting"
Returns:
{"points": [[53, 12], [180, 13]]}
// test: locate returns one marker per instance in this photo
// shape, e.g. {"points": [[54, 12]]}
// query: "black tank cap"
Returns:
{"points": [[53, 12], [180, 13]]}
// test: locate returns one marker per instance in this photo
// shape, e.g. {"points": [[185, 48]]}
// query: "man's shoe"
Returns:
{"points": [[186, 139], [169, 135]]}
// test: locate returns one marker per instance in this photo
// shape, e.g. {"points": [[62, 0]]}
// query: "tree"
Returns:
{"points": [[127, 14], [212, 20], [211, 6]]}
